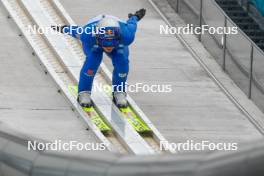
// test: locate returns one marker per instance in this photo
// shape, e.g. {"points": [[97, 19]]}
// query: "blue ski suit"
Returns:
{"points": [[94, 53]]}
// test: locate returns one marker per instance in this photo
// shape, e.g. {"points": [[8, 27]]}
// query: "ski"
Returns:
{"points": [[138, 124], [95, 117]]}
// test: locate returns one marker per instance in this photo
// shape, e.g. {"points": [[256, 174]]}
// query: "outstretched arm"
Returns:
{"points": [[129, 31]]}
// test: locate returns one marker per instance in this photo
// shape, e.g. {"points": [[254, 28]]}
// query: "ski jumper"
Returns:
{"points": [[94, 53]]}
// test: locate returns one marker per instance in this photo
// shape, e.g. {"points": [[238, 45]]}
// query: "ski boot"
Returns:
{"points": [[84, 99], [120, 100]]}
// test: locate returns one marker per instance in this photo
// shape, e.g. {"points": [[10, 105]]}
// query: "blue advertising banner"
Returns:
{"points": [[260, 5]]}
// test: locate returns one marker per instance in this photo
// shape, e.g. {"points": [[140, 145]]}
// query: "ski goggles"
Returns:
{"points": [[110, 37]]}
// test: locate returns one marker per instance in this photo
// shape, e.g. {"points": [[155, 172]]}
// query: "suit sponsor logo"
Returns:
{"points": [[122, 75]]}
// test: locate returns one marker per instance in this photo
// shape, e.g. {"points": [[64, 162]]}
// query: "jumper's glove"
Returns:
{"points": [[139, 14], [59, 28]]}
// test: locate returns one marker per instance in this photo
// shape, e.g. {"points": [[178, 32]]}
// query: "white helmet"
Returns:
{"points": [[107, 21], [111, 36]]}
